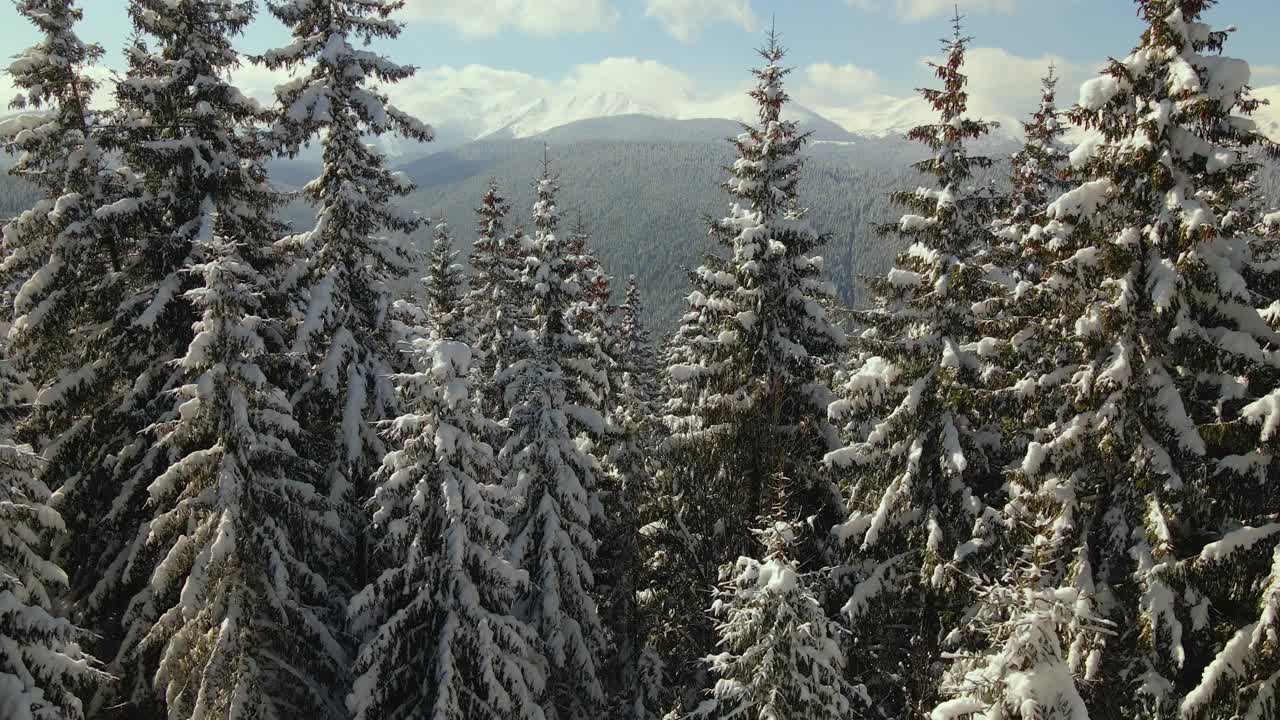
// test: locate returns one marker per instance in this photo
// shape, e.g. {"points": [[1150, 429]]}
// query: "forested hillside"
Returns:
{"points": [[645, 203]]}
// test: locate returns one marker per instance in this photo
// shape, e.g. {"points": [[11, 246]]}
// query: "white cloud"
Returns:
{"points": [[1006, 87], [915, 10], [836, 82], [257, 81], [684, 19], [537, 17], [648, 81]]}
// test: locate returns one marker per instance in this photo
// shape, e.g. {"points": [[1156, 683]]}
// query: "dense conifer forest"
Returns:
{"points": [[572, 428]]}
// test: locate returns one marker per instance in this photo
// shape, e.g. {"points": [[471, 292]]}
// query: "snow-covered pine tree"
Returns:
{"points": [[42, 667], [178, 131], [925, 453], [748, 406], [632, 683], [1017, 661], [756, 331], [1039, 169], [444, 293], [1039, 174], [1028, 604], [782, 657], [1160, 406], [595, 320], [444, 643], [56, 258], [345, 266], [1025, 674], [490, 308], [50, 250], [592, 317], [639, 356], [552, 477], [243, 616]]}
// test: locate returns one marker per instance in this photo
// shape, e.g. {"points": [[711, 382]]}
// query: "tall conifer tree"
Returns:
{"points": [[555, 500], [781, 657], [491, 303], [180, 131], [238, 611], [444, 643], [42, 667], [347, 264], [748, 408], [444, 296], [1153, 412], [926, 451], [1038, 174]]}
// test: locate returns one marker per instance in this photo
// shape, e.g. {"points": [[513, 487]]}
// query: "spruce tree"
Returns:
{"points": [[1021, 613], [747, 411], [244, 617], [42, 667], [180, 131], [628, 464], [1017, 659], [756, 332], [444, 296], [490, 307], [923, 463], [782, 657], [1153, 412], [342, 288], [60, 259], [444, 643], [555, 501], [1039, 170], [1038, 174], [593, 318], [55, 256], [51, 252], [1026, 673]]}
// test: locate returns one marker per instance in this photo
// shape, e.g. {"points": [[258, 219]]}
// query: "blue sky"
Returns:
{"points": [[849, 54]]}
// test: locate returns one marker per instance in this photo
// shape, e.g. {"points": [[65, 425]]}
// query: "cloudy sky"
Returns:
{"points": [[856, 61]]}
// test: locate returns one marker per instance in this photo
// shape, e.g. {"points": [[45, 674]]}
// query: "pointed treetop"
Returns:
{"points": [[768, 92], [772, 51], [956, 24]]}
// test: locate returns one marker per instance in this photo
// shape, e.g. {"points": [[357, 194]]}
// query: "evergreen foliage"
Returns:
{"points": [[42, 667], [340, 286], [244, 619], [184, 137], [1039, 172], [552, 477], [782, 658], [493, 303], [1150, 387], [626, 486], [747, 408], [444, 644], [266, 476], [923, 463], [444, 296]]}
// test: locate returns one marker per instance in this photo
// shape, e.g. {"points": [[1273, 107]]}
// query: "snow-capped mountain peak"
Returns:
{"points": [[549, 112]]}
